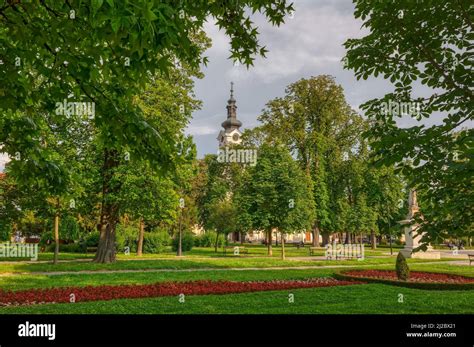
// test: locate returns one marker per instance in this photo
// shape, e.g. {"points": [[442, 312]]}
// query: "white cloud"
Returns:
{"points": [[202, 130]]}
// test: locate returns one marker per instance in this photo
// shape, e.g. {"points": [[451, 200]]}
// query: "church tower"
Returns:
{"points": [[231, 133]]}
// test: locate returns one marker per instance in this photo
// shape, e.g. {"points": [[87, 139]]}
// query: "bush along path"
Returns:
{"points": [[96, 293]]}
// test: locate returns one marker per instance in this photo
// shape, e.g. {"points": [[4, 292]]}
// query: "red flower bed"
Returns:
{"points": [[91, 293], [425, 277]]}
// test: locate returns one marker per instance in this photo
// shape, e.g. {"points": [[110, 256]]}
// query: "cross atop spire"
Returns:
{"points": [[231, 100]]}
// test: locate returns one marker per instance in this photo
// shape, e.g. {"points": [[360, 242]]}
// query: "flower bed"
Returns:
{"points": [[418, 279], [95, 293]]}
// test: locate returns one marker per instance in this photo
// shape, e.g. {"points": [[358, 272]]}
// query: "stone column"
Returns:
{"points": [[412, 237]]}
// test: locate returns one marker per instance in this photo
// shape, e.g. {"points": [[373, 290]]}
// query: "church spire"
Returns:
{"points": [[231, 123], [231, 133]]}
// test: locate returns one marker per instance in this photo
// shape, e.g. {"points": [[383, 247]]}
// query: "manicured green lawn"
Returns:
{"points": [[369, 298], [190, 263], [19, 282], [255, 250], [203, 264]]}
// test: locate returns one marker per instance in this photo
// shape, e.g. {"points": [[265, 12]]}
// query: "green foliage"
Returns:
{"points": [[156, 242], [428, 43], [401, 267], [68, 248], [208, 239], [127, 236], [277, 193], [222, 216], [316, 123], [187, 242], [69, 228], [92, 239]]}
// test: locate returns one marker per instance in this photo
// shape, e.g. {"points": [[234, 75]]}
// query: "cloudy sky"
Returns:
{"points": [[309, 44]]}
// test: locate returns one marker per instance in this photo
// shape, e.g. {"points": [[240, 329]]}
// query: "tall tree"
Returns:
{"points": [[429, 43], [277, 194], [126, 45], [314, 121]]}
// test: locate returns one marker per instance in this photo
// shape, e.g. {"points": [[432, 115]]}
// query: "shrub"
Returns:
{"points": [[208, 239], [186, 244], [126, 236], [153, 242], [156, 242], [67, 248], [401, 267], [46, 238], [92, 239], [73, 248]]}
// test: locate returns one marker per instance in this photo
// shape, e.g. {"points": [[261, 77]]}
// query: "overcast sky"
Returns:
{"points": [[309, 44]]}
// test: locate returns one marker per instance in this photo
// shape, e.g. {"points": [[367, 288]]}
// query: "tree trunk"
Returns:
{"points": [[109, 216], [180, 238], [325, 239], [373, 240], [217, 241], [242, 238], [282, 247], [140, 238], [348, 235], [316, 235], [56, 238], [391, 249], [269, 243]]}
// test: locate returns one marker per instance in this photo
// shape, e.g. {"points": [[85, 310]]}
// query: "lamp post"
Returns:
{"points": [[180, 237]]}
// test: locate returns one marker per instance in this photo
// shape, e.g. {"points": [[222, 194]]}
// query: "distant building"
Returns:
{"points": [[231, 133]]}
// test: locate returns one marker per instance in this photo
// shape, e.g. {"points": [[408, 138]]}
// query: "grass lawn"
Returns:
{"points": [[369, 298], [255, 250], [133, 263], [27, 281], [190, 263]]}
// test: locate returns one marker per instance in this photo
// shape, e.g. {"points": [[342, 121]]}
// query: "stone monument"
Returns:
{"points": [[412, 237]]}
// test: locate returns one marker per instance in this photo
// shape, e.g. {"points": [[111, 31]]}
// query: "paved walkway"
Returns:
{"points": [[91, 272]]}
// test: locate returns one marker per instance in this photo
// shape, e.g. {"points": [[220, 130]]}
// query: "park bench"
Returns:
{"points": [[312, 250], [471, 258], [241, 250], [298, 245], [91, 249]]}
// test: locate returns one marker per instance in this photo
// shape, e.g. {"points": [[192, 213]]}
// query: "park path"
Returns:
{"points": [[92, 272]]}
